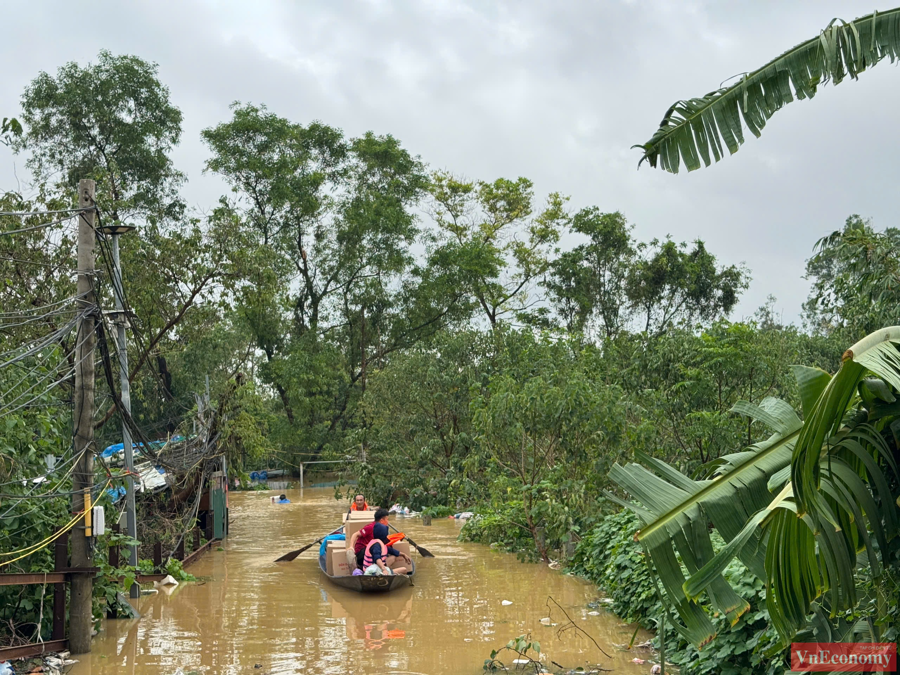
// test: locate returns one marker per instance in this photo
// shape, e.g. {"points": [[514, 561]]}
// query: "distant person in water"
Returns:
{"points": [[281, 499], [359, 504]]}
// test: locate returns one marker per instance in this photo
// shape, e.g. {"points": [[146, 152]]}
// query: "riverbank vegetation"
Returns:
{"points": [[467, 345]]}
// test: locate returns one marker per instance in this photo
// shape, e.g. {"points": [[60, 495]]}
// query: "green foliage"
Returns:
{"points": [[495, 239], [610, 557], [587, 284], [545, 427], [9, 129], [855, 274], [175, 568], [790, 506], [111, 121], [697, 129], [520, 647], [112, 580], [418, 433], [437, 511], [504, 528]]}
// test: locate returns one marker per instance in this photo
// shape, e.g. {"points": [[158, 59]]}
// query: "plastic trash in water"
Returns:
{"points": [[168, 580], [505, 602], [593, 613]]}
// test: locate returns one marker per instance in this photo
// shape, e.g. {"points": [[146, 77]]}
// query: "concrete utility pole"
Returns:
{"points": [[80, 617], [122, 348]]}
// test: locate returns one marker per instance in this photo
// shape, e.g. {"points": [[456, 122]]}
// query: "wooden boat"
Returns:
{"points": [[370, 584]]}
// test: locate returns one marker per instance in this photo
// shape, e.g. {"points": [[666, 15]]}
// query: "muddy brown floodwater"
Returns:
{"points": [[246, 614]]}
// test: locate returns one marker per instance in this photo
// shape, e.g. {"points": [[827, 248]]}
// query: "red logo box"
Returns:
{"points": [[844, 657]]}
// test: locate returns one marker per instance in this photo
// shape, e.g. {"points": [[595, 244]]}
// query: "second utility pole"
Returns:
{"points": [[122, 350]]}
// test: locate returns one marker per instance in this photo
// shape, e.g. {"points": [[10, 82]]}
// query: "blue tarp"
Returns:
{"points": [[116, 493], [330, 537], [119, 447]]}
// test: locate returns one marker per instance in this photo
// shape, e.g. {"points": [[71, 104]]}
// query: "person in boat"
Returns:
{"points": [[362, 538], [378, 552], [359, 504]]}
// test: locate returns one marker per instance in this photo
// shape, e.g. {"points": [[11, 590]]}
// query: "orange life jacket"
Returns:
{"points": [[364, 508]]}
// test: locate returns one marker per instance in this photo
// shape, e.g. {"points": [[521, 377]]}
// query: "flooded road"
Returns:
{"points": [[246, 614]]}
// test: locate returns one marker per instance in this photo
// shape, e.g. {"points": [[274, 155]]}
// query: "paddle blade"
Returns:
{"points": [[424, 552], [287, 557]]}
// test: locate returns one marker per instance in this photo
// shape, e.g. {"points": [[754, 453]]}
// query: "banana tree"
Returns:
{"points": [[810, 510], [696, 129]]}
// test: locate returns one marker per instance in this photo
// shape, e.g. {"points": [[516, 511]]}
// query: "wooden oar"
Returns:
{"points": [[287, 557], [424, 552]]}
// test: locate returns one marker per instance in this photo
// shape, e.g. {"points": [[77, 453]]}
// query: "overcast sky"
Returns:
{"points": [[554, 90]]}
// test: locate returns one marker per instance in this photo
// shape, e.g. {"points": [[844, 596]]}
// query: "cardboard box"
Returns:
{"points": [[403, 547], [353, 525], [332, 546], [339, 566]]}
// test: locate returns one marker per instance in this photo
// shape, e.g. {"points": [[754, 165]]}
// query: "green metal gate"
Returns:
{"points": [[217, 498]]}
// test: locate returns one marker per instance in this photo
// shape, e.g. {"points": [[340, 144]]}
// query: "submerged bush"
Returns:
{"points": [[500, 528]]}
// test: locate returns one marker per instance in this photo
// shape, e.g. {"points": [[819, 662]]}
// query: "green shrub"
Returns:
{"points": [[609, 557], [438, 511], [499, 529]]}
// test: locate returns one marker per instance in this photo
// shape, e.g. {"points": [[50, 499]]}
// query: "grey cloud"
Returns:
{"points": [[556, 91]]}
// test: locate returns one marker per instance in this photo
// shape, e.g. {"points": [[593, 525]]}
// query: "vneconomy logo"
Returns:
{"points": [[844, 657]]}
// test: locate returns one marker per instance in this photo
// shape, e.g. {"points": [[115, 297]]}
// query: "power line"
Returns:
{"points": [[73, 460], [36, 227], [38, 344], [39, 308], [72, 211], [5, 408]]}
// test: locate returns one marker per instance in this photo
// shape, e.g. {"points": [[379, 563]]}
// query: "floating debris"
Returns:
{"points": [[505, 602]]}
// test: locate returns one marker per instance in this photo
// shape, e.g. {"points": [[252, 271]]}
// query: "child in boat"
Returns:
{"points": [[377, 552]]}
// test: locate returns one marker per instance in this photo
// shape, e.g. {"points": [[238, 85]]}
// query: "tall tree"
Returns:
{"points": [[614, 283], [672, 284], [331, 225], [855, 275], [587, 284], [497, 241], [111, 121]]}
